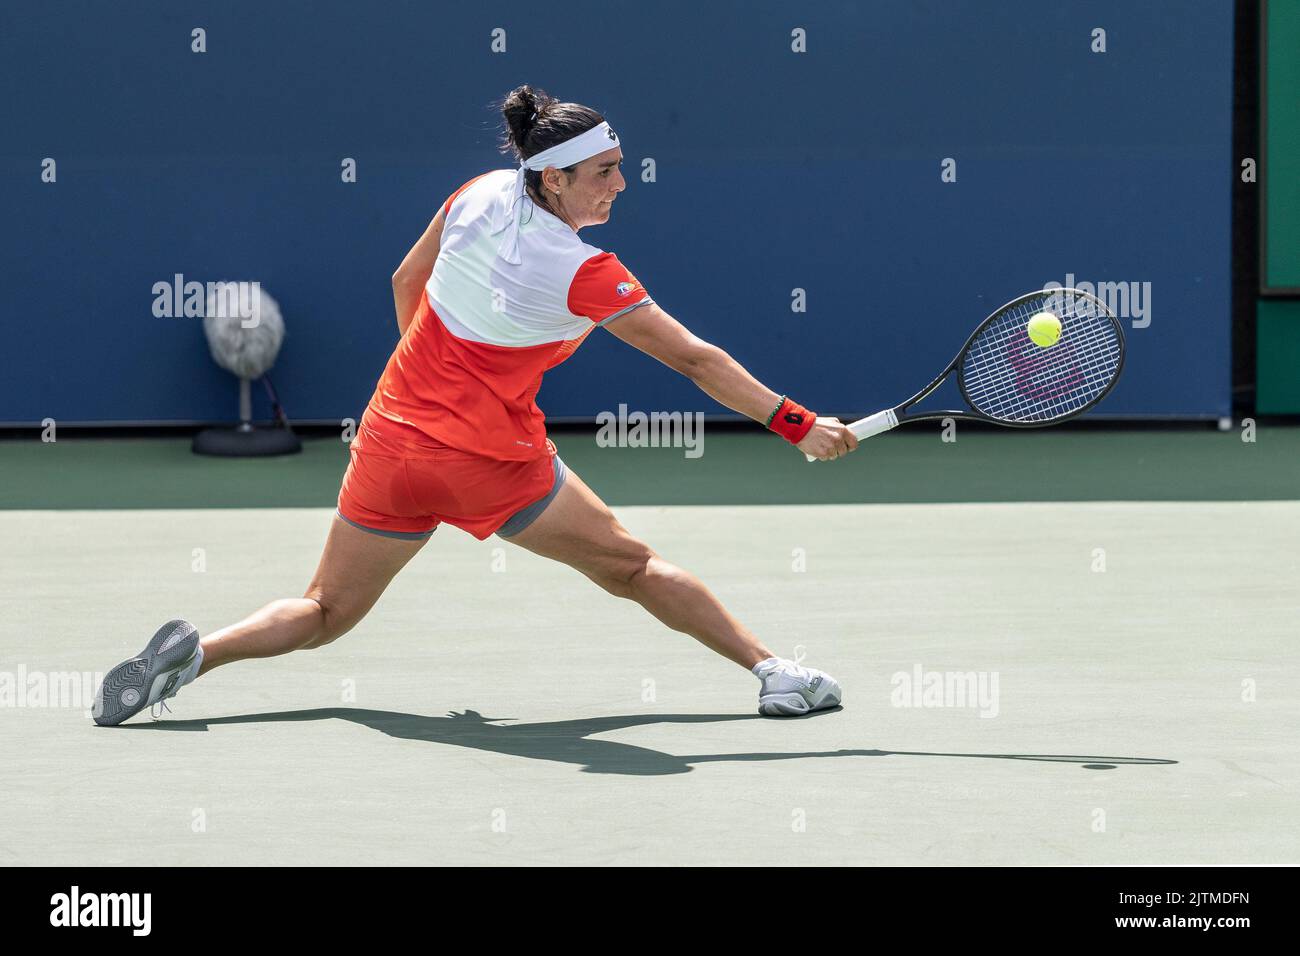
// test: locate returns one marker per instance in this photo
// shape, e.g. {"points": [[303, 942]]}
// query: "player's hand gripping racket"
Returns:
{"points": [[1008, 379]]}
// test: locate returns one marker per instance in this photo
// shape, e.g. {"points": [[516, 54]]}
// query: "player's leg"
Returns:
{"points": [[355, 568], [578, 529]]}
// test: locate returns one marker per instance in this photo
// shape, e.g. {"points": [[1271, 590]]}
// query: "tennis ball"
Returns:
{"points": [[1044, 329]]}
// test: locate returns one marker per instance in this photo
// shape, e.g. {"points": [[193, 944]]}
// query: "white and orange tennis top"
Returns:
{"points": [[469, 366]]}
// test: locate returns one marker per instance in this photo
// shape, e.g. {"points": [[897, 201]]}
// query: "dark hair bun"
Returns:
{"points": [[522, 108], [536, 121]]}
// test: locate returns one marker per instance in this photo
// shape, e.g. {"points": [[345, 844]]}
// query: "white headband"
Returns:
{"points": [[596, 140]]}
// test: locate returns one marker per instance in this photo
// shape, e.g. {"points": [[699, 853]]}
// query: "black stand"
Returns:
{"points": [[246, 440]]}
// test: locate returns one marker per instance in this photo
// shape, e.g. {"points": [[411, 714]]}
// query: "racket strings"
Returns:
{"points": [[1006, 376]]}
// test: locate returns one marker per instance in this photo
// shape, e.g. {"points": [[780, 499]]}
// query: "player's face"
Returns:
{"points": [[596, 184]]}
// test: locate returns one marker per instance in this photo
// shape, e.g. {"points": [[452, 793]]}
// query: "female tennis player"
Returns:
{"points": [[498, 290]]}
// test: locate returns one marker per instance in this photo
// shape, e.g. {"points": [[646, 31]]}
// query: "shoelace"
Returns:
{"points": [[162, 702], [791, 669]]}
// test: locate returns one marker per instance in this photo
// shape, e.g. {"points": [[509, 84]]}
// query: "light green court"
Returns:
{"points": [[1062, 682]]}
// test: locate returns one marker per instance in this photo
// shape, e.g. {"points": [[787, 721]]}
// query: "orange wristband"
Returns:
{"points": [[792, 421]]}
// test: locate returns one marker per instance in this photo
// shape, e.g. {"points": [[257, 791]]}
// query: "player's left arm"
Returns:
{"points": [[413, 274]]}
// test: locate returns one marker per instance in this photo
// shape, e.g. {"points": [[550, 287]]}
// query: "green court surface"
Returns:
{"points": [[1135, 685], [735, 467]]}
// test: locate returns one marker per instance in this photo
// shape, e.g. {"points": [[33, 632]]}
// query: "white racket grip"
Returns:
{"points": [[871, 425]]}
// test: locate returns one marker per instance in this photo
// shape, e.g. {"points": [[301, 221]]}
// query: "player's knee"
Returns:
{"points": [[336, 619], [624, 573]]}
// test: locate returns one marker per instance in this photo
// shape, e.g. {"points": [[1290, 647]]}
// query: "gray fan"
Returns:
{"points": [[245, 341]]}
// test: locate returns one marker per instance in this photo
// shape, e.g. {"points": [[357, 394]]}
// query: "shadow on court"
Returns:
{"points": [[569, 741]]}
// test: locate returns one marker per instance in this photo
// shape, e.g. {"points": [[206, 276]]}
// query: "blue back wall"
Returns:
{"points": [[775, 170]]}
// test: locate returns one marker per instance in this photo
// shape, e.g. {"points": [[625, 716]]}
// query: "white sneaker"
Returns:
{"points": [[790, 690], [169, 661]]}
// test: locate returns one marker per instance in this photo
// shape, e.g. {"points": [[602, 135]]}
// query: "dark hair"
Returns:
{"points": [[536, 121]]}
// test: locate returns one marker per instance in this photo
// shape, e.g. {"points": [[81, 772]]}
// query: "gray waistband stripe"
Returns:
{"points": [[524, 517], [400, 535]]}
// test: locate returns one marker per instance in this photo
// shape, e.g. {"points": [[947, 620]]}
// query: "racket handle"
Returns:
{"points": [[871, 425]]}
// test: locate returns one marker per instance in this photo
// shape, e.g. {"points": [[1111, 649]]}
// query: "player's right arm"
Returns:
{"points": [[655, 332]]}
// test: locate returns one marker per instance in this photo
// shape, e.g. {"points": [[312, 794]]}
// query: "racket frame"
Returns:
{"points": [[891, 418]]}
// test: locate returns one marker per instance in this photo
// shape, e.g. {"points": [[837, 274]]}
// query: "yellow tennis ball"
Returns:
{"points": [[1044, 329]]}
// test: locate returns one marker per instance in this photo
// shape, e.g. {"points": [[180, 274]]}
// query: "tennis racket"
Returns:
{"points": [[1007, 379]]}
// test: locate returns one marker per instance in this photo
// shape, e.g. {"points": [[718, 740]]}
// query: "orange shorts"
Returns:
{"points": [[402, 483]]}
